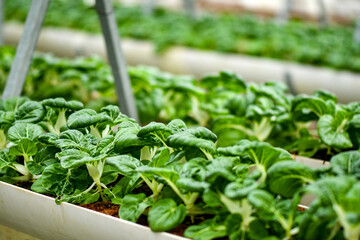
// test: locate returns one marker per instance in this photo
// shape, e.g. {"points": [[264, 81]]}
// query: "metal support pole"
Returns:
{"points": [[1, 21], [190, 8], [323, 18], [116, 59], [148, 7], [289, 82], [283, 15], [357, 31], [25, 49]]}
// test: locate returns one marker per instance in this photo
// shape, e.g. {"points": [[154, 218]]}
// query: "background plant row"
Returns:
{"points": [[313, 126], [172, 174], [332, 46]]}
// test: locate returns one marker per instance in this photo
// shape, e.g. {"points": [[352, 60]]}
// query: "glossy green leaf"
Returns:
{"points": [[62, 103], [124, 164], [31, 112], [332, 130], [206, 230], [346, 163], [287, 177], [61, 181], [166, 215], [72, 158], [86, 118], [24, 130], [73, 139], [133, 205], [24, 147]]}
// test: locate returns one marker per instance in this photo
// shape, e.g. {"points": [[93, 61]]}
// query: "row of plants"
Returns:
{"points": [[308, 125], [170, 174], [331, 46]]}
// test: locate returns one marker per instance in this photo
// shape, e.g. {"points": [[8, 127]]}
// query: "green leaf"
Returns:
{"points": [[109, 175], [31, 112], [114, 113], [206, 230], [38, 187], [220, 167], [48, 138], [105, 145], [329, 190], [212, 199], [73, 139], [86, 118], [44, 158], [346, 163], [24, 130], [126, 165], [6, 119], [126, 139], [306, 108], [166, 215], [332, 130], [62, 103], [224, 81], [168, 174], [325, 95], [125, 186], [264, 202], [155, 130], [177, 125], [61, 181], [236, 190], [6, 159], [199, 137], [73, 158], [79, 197], [262, 154], [162, 156], [192, 185], [12, 104], [287, 177], [133, 205], [24, 147], [340, 195]]}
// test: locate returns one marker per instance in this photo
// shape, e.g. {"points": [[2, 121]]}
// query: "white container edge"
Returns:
{"points": [[38, 215]]}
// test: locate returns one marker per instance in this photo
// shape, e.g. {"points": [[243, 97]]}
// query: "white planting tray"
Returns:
{"points": [[39, 216]]}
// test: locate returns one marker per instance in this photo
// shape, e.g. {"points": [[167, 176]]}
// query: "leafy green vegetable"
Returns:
{"points": [[166, 215]]}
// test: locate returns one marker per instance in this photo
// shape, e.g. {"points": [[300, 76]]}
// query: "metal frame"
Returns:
{"points": [[357, 30], [189, 5], [148, 7], [323, 18], [25, 49], [1, 21], [116, 58], [283, 15], [29, 38]]}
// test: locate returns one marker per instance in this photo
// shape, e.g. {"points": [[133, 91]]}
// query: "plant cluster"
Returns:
{"points": [[171, 173], [332, 46], [312, 126], [88, 80]]}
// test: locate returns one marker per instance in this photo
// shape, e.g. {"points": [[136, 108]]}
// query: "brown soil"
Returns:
{"points": [[103, 207], [26, 185]]}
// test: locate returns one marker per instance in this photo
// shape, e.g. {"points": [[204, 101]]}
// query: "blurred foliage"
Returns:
{"points": [[331, 46]]}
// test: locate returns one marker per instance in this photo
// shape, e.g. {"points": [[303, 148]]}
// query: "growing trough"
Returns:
{"points": [[39, 216]]}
